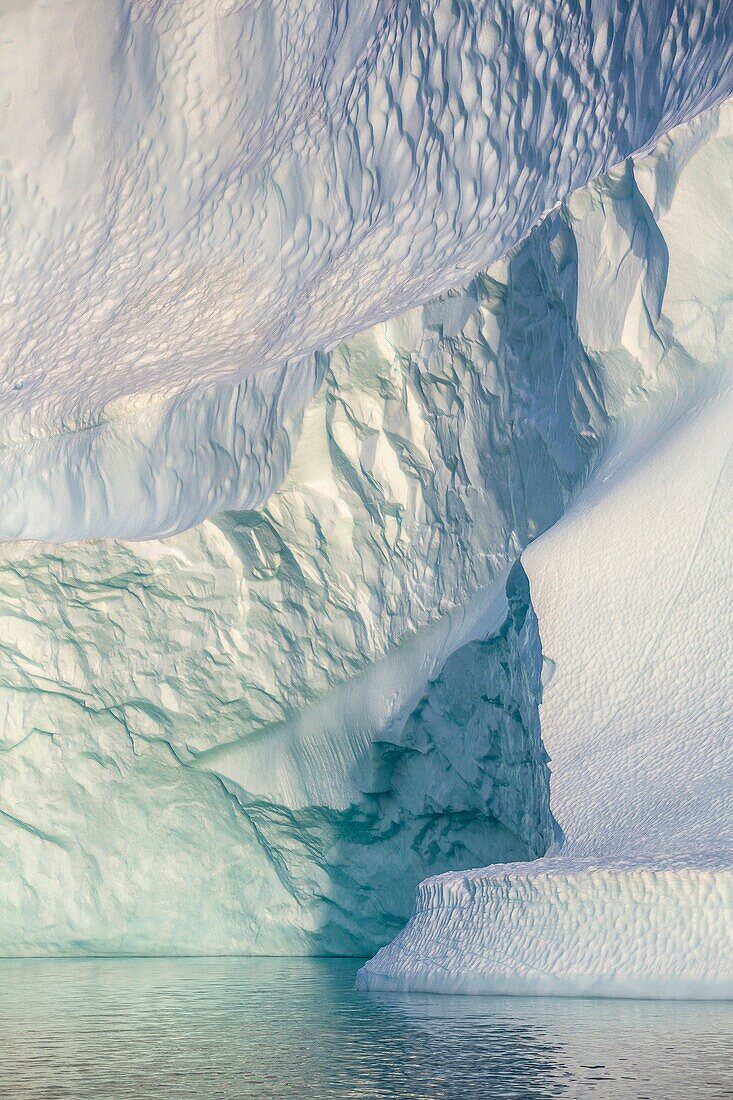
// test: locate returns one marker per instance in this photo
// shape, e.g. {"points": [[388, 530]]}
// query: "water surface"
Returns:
{"points": [[210, 1029]]}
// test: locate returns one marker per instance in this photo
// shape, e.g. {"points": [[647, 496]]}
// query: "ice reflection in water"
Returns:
{"points": [[209, 1029]]}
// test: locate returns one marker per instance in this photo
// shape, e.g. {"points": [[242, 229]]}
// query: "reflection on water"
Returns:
{"points": [[209, 1029]]}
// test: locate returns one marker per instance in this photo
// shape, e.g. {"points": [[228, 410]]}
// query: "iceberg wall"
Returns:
{"points": [[240, 738], [632, 589], [260, 734], [316, 678]]}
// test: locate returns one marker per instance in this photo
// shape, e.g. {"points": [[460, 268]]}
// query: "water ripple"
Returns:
{"points": [[220, 1029]]}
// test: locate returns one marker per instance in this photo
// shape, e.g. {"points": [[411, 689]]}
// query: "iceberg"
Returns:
{"points": [[365, 488], [258, 735]]}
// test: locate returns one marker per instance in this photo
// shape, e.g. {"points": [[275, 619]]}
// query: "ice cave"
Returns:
{"points": [[366, 488]]}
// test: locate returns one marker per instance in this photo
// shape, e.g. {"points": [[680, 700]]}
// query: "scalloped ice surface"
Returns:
{"points": [[634, 598], [259, 735], [566, 927], [198, 192]]}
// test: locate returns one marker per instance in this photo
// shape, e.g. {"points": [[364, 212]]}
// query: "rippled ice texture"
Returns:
{"points": [[211, 192], [216, 1028]]}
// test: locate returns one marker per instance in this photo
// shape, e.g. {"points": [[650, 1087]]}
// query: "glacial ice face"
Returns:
{"points": [[632, 588], [194, 192], [256, 735], [651, 688], [119, 839], [259, 687]]}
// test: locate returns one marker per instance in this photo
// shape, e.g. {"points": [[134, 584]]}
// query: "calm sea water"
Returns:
{"points": [[208, 1029]]}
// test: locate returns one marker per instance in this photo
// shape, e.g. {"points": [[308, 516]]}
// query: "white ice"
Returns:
{"points": [[633, 591], [317, 302], [194, 192]]}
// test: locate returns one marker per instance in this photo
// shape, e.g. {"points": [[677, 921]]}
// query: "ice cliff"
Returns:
{"points": [[259, 734], [333, 677]]}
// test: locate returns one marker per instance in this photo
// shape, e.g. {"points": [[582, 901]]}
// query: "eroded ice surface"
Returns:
{"points": [[633, 594], [194, 192], [566, 927], [260, 734]]}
